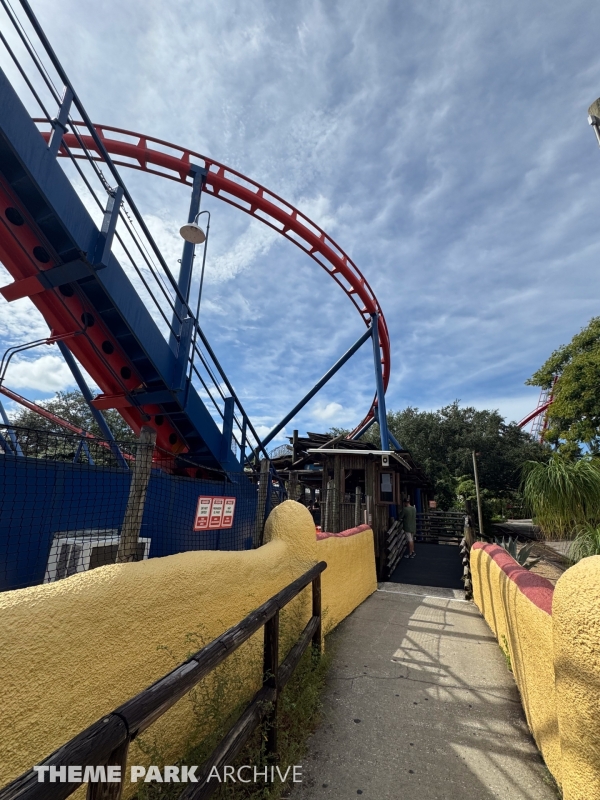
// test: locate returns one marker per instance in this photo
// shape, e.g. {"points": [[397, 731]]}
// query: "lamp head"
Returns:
{"points": [[193, 233]]}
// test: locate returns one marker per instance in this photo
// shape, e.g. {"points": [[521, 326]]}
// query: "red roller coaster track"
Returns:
{"points": [[540, 423], [539, 410], [17, 398], [167, 160]]}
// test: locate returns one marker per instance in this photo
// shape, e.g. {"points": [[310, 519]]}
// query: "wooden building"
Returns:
{"points": [[349, 483]]}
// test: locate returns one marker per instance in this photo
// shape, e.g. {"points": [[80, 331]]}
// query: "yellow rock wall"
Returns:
{"points": [[74, 650], [524, 632], [576, 617], [555, 658], [350, 576]]}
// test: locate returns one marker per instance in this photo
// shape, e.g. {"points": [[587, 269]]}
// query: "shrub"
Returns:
{"points": [[586, 543], [561, 494]]}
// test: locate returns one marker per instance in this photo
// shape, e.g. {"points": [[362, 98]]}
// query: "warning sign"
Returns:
{"points": [[228, 512], [202, 513], [214, 513]]}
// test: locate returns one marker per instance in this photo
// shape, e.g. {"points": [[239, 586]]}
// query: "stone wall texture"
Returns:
{"points": [[76, 649], [552, 637]]}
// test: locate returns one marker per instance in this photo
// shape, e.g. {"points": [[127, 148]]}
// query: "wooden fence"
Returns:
{"points": [[395, 547], [106, 742], [443, 527]]}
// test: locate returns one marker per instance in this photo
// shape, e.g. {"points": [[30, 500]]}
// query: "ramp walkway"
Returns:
{"points": [[437, 565], [420, 705]]}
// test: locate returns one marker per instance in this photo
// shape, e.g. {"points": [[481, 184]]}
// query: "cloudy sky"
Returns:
{"points": [[444, 145]]}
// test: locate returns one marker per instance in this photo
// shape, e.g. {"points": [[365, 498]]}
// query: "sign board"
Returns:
{"points": [[214, 513]]}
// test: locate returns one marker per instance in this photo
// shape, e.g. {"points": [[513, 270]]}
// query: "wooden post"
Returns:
{"points": [[111, 791], [357, 500], [326, 523], [479, 514], [338, 480], [316, 612], [294, 447], [262, 501], [270, 680], [140, 475], [293, 485]]}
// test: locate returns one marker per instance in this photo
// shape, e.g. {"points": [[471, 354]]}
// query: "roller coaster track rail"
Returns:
{"points": [[29, 248]]}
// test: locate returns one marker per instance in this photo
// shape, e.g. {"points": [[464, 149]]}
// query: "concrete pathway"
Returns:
{"points": [[420, 706]]}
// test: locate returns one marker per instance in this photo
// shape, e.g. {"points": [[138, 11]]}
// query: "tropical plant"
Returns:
{"points": [[523, 555], [586, 543], [574, 416], [562, 495]]}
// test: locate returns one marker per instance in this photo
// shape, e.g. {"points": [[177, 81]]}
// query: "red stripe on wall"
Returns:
{"points": [[537, 589]]}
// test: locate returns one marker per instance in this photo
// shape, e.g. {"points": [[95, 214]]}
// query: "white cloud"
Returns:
{"points": [[20, 322], [44, 374], [263, 430], [423, 137], [254, 243], [513, 409], [332, 411]]}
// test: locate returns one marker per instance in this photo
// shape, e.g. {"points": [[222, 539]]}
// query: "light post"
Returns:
{"points": [[594, 118], [192, 232]]}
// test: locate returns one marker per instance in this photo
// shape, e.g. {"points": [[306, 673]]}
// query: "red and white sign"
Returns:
{"points": [[228, 512], [203, 513], [214, 513]]}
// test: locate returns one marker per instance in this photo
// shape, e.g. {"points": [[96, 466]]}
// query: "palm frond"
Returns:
{"points": [[585, 544], [561, 494]]}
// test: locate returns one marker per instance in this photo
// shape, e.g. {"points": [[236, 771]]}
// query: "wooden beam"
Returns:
{"points": [[337, 493], [129, 549], [263, 482], [270, 681]]}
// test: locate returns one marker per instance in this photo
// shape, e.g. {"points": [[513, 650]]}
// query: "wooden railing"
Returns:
{"points": [[106, 742], [395, 547]]}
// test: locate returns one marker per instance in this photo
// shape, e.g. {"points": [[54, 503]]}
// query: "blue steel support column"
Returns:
{"points": [[59, 123], [11, 433], [418, 503], [364, 429], [394, 441], [226, 454], [184, 280], [243, 443], [85, 391], [319, 385], [381, 412], [83, 446]]}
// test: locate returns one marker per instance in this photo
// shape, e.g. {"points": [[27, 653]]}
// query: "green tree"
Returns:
{"points": [[72, 407], [574, 416], [442, 443]]}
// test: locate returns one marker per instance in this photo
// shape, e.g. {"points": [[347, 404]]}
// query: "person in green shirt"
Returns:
{"points": [[409, 523]]}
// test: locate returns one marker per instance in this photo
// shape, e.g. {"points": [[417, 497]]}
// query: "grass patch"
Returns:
{"points": [[506, 653], [299, 710]]}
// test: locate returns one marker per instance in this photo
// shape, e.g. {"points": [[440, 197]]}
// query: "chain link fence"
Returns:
{"points": [[67, 503]]}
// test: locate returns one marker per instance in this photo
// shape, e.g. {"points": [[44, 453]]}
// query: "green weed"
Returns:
{"points": [[298, 715], [506, 653]]}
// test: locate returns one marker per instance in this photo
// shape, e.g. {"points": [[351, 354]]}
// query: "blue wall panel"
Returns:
{"points": [[39, 498]]}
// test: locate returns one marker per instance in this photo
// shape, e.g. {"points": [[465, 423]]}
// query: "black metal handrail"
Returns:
{"points": [[106, 742]]}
